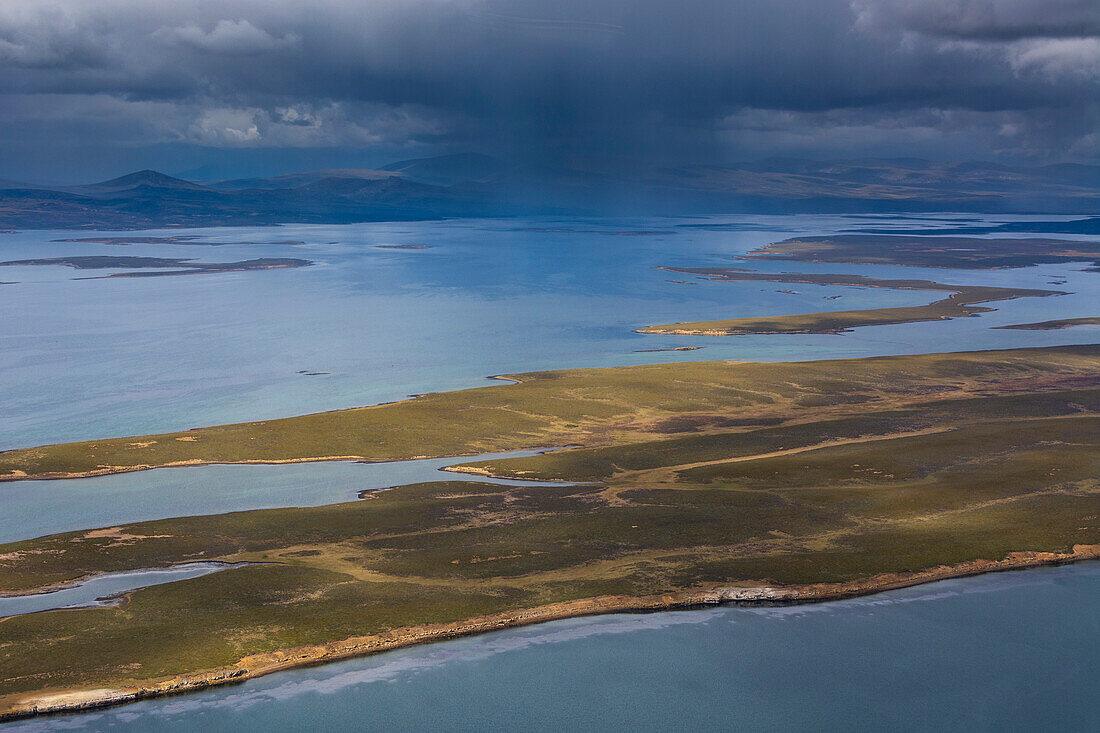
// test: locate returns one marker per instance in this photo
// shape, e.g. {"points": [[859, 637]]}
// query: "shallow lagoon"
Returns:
{"points": [[485, 299], [37, 508], [105, 589]]}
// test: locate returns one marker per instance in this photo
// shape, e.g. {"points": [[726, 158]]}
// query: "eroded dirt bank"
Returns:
{"points": [[73, 700]]}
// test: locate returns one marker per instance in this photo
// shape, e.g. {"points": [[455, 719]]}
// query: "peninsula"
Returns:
{"points": [[694, 483], [965, 253], [961, 303], [1055, 324]]}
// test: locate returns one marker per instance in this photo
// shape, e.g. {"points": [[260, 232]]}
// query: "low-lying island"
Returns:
{"points": [[690, 484]]}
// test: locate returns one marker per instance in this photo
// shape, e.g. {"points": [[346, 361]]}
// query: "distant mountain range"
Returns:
{"points": [[476, 185]]}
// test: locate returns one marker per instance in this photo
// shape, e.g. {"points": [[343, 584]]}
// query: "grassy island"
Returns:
{"points": [[1055, 324], [581, 406], [963, 302], [976, 253], [159, 266], [703, 483]]}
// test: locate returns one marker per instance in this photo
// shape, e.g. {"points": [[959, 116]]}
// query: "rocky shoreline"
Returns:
{"points": [[68, 701]]}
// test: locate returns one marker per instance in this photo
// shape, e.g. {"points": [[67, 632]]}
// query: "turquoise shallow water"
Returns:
{"points": [[1004, 652], [86, 358], [37, 508], [102, 589]]}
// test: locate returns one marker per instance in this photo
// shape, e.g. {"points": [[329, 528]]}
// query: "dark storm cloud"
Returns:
{"points": [[707, 80], [1000, 20]]}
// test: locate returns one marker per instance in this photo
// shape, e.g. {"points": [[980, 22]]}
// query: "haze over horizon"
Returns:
{"points": [[242, 88]]}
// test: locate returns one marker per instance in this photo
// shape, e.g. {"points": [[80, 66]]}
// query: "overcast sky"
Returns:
{"points": [[95, 88]]}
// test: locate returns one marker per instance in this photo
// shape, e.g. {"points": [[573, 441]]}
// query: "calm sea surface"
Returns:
{"points": [[1003, 652], [37, 508], [87, 358]]}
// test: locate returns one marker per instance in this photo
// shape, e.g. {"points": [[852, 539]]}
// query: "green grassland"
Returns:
{"points": [[1055, 324], [931, 251], [701, 475], [963, 302], [591, 407]]}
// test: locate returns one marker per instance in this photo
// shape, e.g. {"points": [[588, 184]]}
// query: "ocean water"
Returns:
{"points": [[1003, 652], [87, 358]]}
